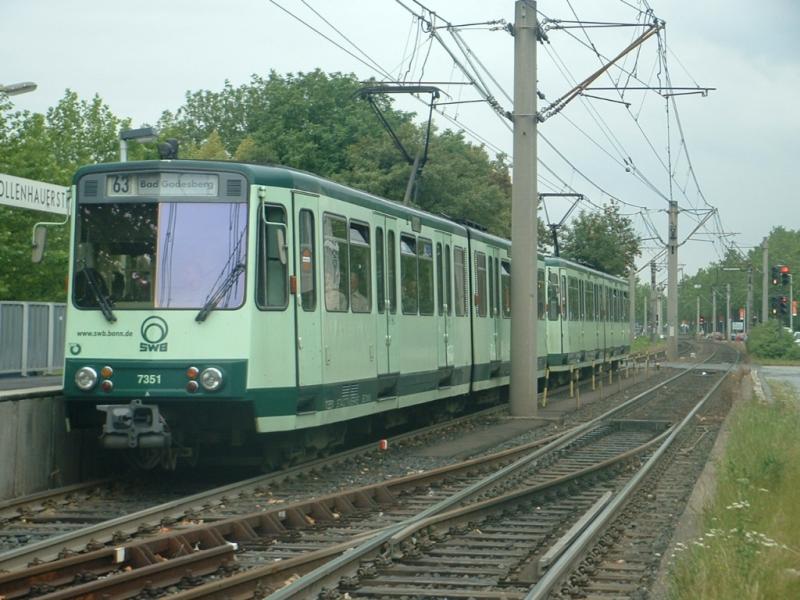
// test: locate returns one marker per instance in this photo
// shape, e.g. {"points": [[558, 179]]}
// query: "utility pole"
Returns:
{"points": [[632, 303], [653, 313], [645, 317], [697, 319], [764, 281], [748, 309], [714, 310], [524, 198], [672, 283], [728, 314]]}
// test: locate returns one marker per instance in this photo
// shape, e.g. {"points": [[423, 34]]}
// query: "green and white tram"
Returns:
{"points": [[211, 302]]}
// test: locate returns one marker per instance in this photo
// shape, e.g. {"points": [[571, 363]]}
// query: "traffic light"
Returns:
{"points": [[783, 305], [785, 275], [774, 305], [775, 275]]}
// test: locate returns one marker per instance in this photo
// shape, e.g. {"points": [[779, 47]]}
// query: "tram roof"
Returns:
{"points": [[285, 177], [558, 261]]}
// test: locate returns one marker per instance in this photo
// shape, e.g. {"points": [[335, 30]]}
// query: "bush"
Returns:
{"points": [[770, 340]]}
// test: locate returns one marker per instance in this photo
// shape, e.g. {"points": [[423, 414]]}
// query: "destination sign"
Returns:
{"points": [[162, 184]]}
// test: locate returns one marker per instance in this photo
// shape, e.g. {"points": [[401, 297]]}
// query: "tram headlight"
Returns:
{"points": [[211, 379], [86, 378]]}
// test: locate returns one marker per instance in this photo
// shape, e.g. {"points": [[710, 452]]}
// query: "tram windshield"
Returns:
{"points": [[160, 255]]}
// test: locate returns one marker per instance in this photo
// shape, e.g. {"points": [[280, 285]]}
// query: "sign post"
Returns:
{"points": [[18, 192]]}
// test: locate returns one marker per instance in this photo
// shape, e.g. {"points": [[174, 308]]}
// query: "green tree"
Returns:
{"points": [[316, 122], [211, 148], [48, 148], [732, 270], [604, 240], [770, 340]]}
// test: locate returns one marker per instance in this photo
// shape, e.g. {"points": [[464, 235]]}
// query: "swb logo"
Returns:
{"points": [[154, 330]]}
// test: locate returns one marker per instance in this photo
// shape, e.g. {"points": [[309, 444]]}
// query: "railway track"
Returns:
{"points": [[295, 538], [55, 523], [623, 555], [87, 516]]}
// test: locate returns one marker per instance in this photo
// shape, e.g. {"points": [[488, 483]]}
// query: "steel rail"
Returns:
{"points": [[18, 507], [274, 519], [64, 544], [260, 580], [174, 510], [303, 586], [292, 515], [574, 553]]}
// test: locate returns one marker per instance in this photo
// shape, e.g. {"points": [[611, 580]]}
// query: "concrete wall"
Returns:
{"points": [[36, 452]]}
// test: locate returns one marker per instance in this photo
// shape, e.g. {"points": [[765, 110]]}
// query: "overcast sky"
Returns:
{"points": [[142, 57]]}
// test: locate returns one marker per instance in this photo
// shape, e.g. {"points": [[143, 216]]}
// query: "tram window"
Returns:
{"points": [[425, 253], [360, 272], [540, 302], [480, 283], [553, 297], [563, 296], [439, 278], [448, 280], [492, 307], [460, 281], [505, 286], [336, 263], [272, 285], [497, 287], [590, 301], [308, 260], [408, 274], [380, 282], [613, 302], [625, 307], [598, 303], [391, 269], [581, 301], [573, 304]]}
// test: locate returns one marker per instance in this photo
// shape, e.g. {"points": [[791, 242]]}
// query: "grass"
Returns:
{"points": [[750, 548], [643, 344], [776, 362]]}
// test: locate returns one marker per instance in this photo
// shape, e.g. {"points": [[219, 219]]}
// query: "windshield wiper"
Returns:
{"points": [[102, 301], [216, 296]]}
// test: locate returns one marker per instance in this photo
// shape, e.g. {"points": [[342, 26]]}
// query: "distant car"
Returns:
{"points": [[796, 337]]}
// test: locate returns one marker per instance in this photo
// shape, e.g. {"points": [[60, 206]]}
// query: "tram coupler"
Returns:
{"points": [[134, 425]]}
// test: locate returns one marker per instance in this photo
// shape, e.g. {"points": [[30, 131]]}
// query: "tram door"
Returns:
{"points": [[386, 294], [495, 316], [308, 296], [444, 298]]}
